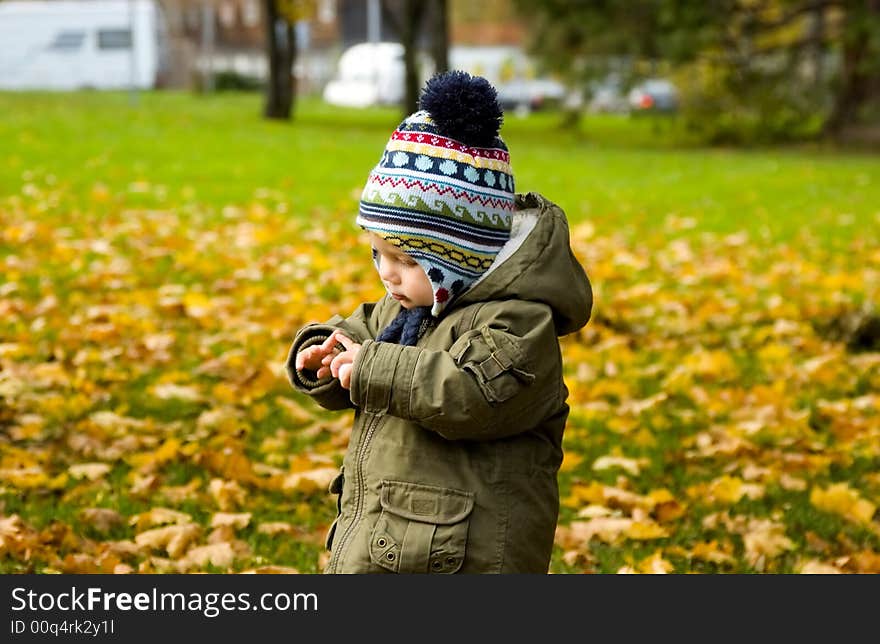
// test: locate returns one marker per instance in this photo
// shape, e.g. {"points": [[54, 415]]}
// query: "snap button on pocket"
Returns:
{"points": [[390, 556], [381, 542]]}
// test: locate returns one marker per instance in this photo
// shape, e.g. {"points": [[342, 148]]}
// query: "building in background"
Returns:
{"points": [[229, 35], [212, 37], [206, 43]]}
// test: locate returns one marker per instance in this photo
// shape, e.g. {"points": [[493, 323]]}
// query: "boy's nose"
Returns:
{"points": [[387, 272]]}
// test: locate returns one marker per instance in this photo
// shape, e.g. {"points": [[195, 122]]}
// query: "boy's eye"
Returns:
{"points": [[375, 253]]}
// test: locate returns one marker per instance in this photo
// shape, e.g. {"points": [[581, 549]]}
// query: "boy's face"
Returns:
{"points": [[402, 276]]}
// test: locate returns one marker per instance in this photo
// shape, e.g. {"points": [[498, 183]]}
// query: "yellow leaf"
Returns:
{"points": [[180, 493], [311, 480], [173, 538], [631, 465], [275, 527], [622, 424], [643, 530], [726, 489], [158, 516], [655, 565], [582, 494], [170, 390], [230, 463], [226, 419], [296, 412], [607, 529], [25, 477], [570, 460], [227, 494], [866, 561], [644, 438], [711, 364], [840, 499], [271, 570], [166, 452], [235, 520], [593, 511], [816, 567], [225, 393], [220, 555], [102, 519], [709, 551], [197, 305], [91, 471], [764, 539]]}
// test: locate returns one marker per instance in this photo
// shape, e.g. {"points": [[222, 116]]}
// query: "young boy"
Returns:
{"points": [[456, 374]]}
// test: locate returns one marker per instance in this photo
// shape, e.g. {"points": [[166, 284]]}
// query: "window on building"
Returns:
{"points": [[114, 39], [227, 15], [326, 11], [68, 41], [250, 13]]}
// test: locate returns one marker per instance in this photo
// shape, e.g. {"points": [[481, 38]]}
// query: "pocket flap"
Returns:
{"points": [[426, 503]]}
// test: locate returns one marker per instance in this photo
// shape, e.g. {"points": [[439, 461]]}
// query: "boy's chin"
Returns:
{"points": [[409, 304]]}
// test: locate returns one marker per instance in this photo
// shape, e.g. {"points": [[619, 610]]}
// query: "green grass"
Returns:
{"points": [[621, 174]]}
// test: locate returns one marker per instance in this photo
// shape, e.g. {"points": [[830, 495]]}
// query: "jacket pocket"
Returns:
{"points": [[335, 488], [421, 528], [496, 362]]}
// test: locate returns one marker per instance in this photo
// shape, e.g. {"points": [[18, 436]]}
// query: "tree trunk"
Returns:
{"points": [[440, 38], [412, 18], [856, 71], [281, 54], [405, 19]]}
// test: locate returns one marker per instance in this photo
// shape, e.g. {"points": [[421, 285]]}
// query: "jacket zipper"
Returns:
{"points": [[360, 492]]}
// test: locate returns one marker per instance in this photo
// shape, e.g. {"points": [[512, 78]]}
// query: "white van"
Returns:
{"points": [[82, 44], [371, 73]]}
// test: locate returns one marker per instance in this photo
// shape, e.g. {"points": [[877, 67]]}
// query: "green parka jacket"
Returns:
{"points": [[456, 444]]}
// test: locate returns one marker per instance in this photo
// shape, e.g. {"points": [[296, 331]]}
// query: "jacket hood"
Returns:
{"points": [[538, 265]]}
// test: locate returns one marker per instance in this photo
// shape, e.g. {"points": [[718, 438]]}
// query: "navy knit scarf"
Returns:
{"points": [[407, 327]]}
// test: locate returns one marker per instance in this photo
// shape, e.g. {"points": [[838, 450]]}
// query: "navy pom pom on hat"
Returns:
{"points": [[443, 190]]}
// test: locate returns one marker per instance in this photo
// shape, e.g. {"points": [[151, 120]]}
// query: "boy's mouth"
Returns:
{"points": [[398, 297]]}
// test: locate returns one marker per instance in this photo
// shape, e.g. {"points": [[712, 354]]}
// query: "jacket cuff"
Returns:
{"points": [[382, 376], [306, 380]]}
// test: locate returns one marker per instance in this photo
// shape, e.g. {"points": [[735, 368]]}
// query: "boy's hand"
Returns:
{"points": [[313, 357], [342, 363]]}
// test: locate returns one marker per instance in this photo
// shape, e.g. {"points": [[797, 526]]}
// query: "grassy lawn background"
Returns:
{"points": [[619, 173], [158, 256]]}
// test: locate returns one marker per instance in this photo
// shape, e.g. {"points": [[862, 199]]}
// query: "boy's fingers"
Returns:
{"points": [[345, 376], [329, 343], [302, 357], [345, 341]]}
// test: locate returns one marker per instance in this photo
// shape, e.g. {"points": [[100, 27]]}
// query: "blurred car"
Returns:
{"points": [[653, 95], [608, 99], [529, 95]]}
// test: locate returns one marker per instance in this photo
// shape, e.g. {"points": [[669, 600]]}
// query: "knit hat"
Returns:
{"points": [[443, 190]]}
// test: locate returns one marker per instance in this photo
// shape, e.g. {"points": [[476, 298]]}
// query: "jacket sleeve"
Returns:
{"points": [[360, 326], [501, 378]]}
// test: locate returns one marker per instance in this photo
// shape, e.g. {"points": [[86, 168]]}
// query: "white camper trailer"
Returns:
{"points": [[82, 44]]}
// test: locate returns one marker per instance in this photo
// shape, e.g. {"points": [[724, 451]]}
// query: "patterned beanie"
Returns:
{"points": [[443, 191]]}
